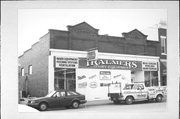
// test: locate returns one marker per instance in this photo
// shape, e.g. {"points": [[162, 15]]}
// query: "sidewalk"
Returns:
{"points": [[98, 102]]}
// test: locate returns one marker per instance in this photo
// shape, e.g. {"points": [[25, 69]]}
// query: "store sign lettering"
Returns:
{"points": [[65, 62], [93, 76], [82, 85], [105, 75], [141, 95], [81, 77], [117, 76], [104, 84], [149, 66], [93, 85], [110, 64]]}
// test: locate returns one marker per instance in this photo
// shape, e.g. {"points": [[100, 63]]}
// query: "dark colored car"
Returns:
{"points": [[58, 98]]}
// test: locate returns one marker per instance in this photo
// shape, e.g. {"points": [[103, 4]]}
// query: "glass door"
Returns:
{"points": [[64, 79]]}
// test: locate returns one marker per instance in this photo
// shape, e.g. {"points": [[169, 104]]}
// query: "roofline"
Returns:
{"points": [[102, 53], [134, 30], [82, 23]]}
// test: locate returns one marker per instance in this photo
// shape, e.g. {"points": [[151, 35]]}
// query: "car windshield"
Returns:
{"points": [[50, 94]]}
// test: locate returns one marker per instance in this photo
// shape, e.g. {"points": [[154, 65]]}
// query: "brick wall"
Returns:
{"points": [[104, 43], [37, 56]]}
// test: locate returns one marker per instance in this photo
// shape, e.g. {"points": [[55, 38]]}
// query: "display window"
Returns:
{"points": [[151, 78]]}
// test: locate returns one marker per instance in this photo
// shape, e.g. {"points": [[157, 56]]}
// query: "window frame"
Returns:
{"points": [[22, 71], [30, 69], [163, 43]]}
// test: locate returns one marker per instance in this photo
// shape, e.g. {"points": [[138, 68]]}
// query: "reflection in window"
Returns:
{"points": [[22, 71], [63, 94], [151, 78], [70, 93]]}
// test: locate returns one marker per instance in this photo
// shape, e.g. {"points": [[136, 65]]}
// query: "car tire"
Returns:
{"points": [[43, 106], [158, 98], [129, 100], [75, 104]]}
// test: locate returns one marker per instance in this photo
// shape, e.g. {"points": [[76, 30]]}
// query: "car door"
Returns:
{"points": [[63, 98], [142, 94], [57, 100], [71, 95]]}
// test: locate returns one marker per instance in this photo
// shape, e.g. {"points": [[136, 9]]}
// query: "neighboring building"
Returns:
{"points": [[81, 59], [159, 33]]}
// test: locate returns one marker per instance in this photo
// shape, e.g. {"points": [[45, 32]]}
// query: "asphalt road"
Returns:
{"points": [[108, 106]]}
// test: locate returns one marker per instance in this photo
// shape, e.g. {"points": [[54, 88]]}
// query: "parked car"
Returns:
{"points": [[58, 98]]}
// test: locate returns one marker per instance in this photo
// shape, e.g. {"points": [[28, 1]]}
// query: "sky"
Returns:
{"points": [[34, 23]]}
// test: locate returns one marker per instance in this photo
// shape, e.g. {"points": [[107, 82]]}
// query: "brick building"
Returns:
{"points": [[63, 60], [158, 32]]}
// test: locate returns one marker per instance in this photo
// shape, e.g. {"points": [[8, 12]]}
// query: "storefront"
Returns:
{"points": [[72, 70]]}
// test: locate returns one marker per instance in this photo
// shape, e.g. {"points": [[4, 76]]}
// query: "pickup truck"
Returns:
{"points": [[134, 92]]}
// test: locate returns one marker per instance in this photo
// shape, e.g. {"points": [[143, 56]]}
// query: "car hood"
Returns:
{"points": [[39, 98]]}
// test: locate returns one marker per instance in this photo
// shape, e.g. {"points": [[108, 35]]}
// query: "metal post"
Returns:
{"points": [[65, 80]]}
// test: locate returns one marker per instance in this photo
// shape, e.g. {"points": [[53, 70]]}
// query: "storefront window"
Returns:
{"points": [[64, 79], [163, 45], [163, 73], [151, 78], [132, 76]]}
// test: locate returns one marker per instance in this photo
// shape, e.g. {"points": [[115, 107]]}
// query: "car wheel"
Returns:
{"points": [[159, 98], [43, 106], [75, 104], [129, 100]]}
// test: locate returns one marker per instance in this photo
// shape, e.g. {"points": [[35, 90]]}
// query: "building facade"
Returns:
{"points": [[81, 59], [158, 32]]}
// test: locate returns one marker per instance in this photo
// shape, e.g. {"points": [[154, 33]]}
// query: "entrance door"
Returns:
{"points": [[65, 79]]}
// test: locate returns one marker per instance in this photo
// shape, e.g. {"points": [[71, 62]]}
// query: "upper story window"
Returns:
{"points": [[22, 71], [163, 45], [30, 69]]}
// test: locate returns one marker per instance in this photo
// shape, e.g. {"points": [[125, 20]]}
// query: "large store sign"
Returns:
{"points": [[110, 64], [65, 62], [149, 66]]}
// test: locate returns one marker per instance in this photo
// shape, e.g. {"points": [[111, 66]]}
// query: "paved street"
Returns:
{"points": [[108, 106]]}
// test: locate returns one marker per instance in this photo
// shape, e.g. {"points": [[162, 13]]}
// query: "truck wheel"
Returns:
{"points": [[159, 98], [129, 100], [75, 104], [43, 106]]}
